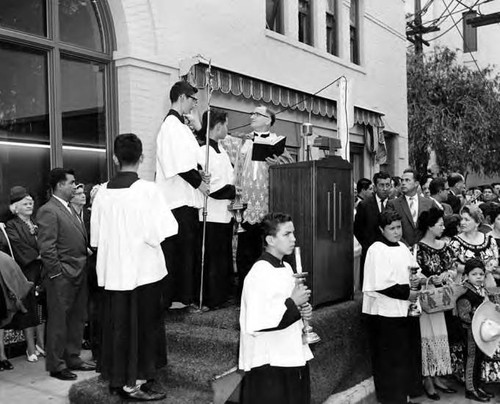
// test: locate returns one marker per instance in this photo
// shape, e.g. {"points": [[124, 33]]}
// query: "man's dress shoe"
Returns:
{"points": [[446, 390], [485, 393], [139, 395], [6, 365], [64, 374]]}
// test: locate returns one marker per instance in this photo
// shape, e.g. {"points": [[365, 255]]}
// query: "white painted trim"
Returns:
{"points": [[125, 60]]}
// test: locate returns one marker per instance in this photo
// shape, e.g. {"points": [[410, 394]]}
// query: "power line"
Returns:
{"points": [[463, 39], [454, 23]]}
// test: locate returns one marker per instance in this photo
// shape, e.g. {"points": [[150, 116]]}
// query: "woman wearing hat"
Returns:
{"points": [[437, 261], [22, 232]]}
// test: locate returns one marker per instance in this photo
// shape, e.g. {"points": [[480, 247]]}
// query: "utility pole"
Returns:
{"points": [[416, 30]]}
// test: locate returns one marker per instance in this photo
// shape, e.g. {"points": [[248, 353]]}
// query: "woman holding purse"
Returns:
{"points": [[436, 259]]}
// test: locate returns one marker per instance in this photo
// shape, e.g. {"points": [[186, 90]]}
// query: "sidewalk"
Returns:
{"points": [[30, 383]]}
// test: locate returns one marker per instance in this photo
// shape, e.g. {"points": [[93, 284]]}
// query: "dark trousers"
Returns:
{"points": [[249, 250], [66, 316], [390, 351], [218, 263], [276, 385], [415, 355], [182, 258], [473, 359]]}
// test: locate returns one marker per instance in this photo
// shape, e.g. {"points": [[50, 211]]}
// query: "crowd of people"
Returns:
{"points": [[104, 263], [448, 234]]}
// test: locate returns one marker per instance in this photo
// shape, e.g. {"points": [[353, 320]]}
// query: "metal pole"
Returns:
{"points": [[207, 158]]}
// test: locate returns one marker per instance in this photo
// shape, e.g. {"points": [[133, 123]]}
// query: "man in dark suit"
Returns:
{"points": [[366, 228], [456, 183], [410, 205], [62, 241], [439, 191]]}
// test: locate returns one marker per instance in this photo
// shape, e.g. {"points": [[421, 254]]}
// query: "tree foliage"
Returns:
{"points": [[455, 111]]}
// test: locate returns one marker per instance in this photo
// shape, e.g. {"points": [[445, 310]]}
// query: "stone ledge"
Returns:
{"points": [[362, 393]]}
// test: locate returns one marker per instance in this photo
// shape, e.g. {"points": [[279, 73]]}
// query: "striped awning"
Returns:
{"points": [[237, 84], [240, 85]]}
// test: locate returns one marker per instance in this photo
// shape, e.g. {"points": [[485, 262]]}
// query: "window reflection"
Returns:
{"points": [[14, 170], [82, 98], [24, 15], [79, 23], [23, 95], [89, 163]]}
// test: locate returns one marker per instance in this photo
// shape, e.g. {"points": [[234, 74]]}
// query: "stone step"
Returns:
{"points": [[225, 318], [211, 344]]}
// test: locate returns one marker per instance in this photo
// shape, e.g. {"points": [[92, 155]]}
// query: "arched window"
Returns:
{"points": [[57, 97]]}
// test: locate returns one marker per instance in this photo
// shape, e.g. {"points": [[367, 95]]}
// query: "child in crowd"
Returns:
{"points": [[467, 304], [271, 350]]}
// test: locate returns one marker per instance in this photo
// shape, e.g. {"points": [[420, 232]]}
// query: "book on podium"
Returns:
{"points": [[265, 147]]}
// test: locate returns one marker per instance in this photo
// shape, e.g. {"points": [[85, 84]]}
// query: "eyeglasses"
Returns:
{"points": [[260, 114]]}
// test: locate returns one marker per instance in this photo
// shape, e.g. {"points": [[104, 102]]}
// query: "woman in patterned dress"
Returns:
{"points": [[471, 243], [437, 262]]}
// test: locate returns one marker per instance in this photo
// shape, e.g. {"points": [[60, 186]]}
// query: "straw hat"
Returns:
{"points": [[486, 327]]}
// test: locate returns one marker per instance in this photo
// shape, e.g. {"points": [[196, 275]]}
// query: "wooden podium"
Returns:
{"points": [[318, 196]]}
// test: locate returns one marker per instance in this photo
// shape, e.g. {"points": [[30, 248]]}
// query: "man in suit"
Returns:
{"points": [[456, 182], [366, 228], [410, 205], [439, 190], [62, 241]]}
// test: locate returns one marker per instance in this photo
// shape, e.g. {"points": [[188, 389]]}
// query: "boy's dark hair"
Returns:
{"points": [[473, 263], [416, 175], [128, 148], [387, 217], [216, 116], [272, 115], [437, 185], [181, 87], [58, 175], [486, 186], [454, 178], [381, 175], [429, 218], [363, 184], [270, 224]]}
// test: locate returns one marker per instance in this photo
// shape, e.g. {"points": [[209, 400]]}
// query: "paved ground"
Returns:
{"points": [[29, 383]]}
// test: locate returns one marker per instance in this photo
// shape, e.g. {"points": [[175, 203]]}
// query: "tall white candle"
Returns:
{"points": [[298, 262]]}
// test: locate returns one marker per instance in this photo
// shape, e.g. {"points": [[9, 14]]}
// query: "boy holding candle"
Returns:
{"points": [[272, 305]]}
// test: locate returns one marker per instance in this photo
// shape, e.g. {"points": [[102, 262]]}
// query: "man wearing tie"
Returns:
{"points": [[366, 228], [253, 178], [62, 241], [410, 205]]}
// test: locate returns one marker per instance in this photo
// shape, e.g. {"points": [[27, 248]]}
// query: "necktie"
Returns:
{"points": [[381, 206], [413, 209]]}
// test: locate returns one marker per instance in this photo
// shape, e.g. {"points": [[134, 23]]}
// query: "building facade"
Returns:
{"points": [[75, 73]]}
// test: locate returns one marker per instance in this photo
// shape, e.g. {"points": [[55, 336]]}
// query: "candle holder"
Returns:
{"points": [[413, 309], [308, 335], [237, 207]]}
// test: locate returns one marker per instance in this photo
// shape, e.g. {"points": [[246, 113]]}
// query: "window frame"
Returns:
{"points": [[278, 20], [305, 25], [331, 27], [55, 48], [354, 45]]}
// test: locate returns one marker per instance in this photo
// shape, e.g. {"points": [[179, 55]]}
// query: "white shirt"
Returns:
{"points": [[127, 227], [437, 203], [265, 290], [380, 200], [222, 174], [65, 203], [177, 151], [385, 266]]}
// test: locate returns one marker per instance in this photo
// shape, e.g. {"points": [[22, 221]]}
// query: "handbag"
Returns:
{"points": [[437, 299]]}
